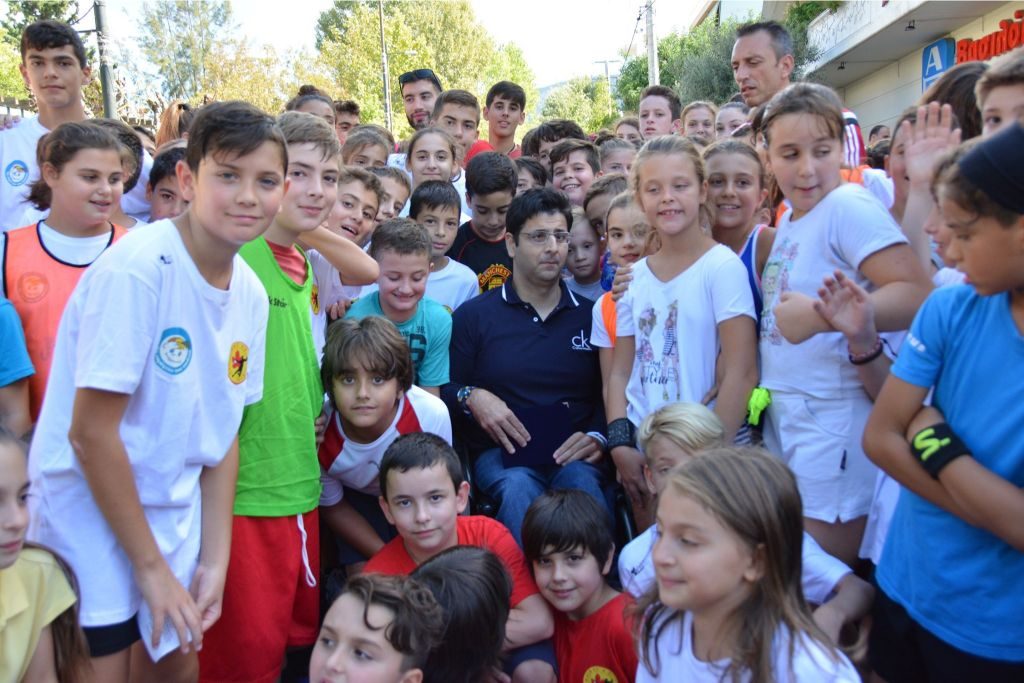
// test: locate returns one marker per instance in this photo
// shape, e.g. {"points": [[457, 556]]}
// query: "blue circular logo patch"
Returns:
{"points": [[174, 352], [16, 173]]}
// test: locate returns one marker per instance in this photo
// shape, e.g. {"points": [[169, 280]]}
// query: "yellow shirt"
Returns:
{"points": [[33, 592]]}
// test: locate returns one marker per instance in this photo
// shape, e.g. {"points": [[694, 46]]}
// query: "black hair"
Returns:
{"points": [[374, 342], [533, 202], [164, 165], [60, 146], [490, 172], [534, 168], [474, 590], [49, 34], [142, 130], [308, 93], [507, 90], [563, 520], [558, 129], [782, 42], [434, 194], [421, 450], [132, 145], [231, 129]]}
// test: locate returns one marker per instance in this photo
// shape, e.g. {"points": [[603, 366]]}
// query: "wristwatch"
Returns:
{"points": [[463, 398]]}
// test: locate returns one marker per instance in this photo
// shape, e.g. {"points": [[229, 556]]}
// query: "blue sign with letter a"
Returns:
{"points": [[936, 58]]}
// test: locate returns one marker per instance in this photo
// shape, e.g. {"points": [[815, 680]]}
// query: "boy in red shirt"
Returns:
{"points": [[423, 494], [505, 111], [569, 545]]}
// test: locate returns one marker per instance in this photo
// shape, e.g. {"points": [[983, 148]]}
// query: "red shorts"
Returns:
{"points": [[269, 604]]}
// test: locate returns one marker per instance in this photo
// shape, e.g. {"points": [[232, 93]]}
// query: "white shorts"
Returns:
{"points": [[820, 440]]}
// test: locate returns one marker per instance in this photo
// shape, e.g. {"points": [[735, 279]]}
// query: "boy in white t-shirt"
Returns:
{"points": [[367, 372], [53, 64], [435, 206], [136, 450]]}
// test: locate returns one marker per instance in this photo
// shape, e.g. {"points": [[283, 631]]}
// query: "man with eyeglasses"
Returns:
{"points": [[419, 90], [526, 382]]}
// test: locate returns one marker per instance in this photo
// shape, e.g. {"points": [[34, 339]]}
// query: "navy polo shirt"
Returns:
{"points": [[500, 343]]}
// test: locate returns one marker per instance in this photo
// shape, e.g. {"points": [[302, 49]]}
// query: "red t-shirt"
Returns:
{"points": [[475, 530], [598, 648], [291, 260]]}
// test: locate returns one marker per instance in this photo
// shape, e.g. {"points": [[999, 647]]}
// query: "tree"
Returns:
{"points": [[633, 76], [586, 101], [21, 13], [444, 36], [178, 37], [11, 84]]}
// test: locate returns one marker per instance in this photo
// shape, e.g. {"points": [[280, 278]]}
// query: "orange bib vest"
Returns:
{"points": [[39, 285], [609, 316]]}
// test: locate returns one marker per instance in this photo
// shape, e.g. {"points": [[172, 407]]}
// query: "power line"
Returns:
{"points": [[636, 26]]}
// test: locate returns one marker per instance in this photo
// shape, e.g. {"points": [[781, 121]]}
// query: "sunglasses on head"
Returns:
{"points": [[420, 75]]}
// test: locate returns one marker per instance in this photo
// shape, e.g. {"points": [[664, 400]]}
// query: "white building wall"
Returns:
{"points": [[882, 96]]}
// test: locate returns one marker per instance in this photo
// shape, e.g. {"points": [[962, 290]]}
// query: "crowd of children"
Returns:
{"points": [[224, 453]]}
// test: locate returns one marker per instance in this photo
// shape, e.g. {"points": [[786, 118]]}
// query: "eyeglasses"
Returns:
{"points": [[541, 237], [420, 75]]}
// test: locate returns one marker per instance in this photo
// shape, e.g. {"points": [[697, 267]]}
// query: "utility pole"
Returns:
{"points": [[607, 75], [652, 46], [384, 65], [109, 111]]}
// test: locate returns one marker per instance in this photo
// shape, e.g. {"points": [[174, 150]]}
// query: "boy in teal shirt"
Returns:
{"points": [[401, 248]]}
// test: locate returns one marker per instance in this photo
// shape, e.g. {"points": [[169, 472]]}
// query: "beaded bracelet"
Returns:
{"points": [[865, 358]]}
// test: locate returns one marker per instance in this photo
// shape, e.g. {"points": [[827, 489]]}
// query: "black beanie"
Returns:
{"points": [[994, 167]]}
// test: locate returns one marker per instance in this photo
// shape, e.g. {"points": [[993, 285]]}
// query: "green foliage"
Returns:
{"points": [[178, 37], [21, 13], [586, 101], [444, 36], [11, 83], [633, 77], [697, 65]]}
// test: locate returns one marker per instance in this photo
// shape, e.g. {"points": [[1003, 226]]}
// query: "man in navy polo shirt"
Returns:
{"points": [[526, 383]]}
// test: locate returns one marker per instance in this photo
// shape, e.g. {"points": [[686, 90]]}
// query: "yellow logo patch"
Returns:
{"points": [[315, 300], [238, 363], [599, 674]]}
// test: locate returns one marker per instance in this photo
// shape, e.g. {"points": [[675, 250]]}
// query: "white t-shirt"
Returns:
{"points": [[810, 663], [844, 229], [675, 328], [453, 285], [329, 291], [143, 321], [356, 465], [598, 331], [820, 572], [18, 163], [77, 251], [879, 184]]}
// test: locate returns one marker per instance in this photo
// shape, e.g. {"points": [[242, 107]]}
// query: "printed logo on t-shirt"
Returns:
{"points": [[493, 277], [599, 674], [580, 342], [16, 173], [32, 287], [174, 352], [315, 300], [238, 362]]}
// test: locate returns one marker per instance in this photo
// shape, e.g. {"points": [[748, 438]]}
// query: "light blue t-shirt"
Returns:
{"points": [[14, 361], [961, 583], [428, 331]]}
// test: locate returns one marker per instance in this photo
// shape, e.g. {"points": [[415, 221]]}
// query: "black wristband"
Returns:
{"points": [[621, 433], [865, 358], [937, 446]]}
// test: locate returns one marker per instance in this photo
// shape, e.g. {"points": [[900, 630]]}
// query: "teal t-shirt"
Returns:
{"points": [[428, 331]]}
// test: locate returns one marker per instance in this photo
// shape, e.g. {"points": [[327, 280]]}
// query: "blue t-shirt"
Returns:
{"points": [[14, 360], [428, 332], [961, 583]]}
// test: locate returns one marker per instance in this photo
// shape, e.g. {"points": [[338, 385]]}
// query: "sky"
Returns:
{"points": [[553, 50]]}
